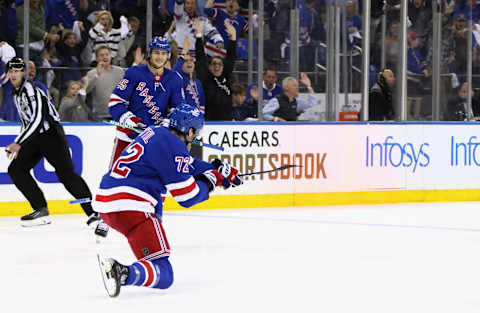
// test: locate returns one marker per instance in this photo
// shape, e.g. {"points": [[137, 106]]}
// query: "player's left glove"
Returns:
{"points": [[214, 179], [229, 172]]}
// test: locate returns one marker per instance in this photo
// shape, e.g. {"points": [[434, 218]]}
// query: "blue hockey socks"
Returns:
{"points": [[156, 273]]}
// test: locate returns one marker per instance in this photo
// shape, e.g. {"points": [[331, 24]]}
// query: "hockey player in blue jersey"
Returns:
{"points": [[145, 94], [129, 198]]}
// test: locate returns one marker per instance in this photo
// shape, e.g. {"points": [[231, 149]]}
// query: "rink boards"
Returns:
{"points": [[339, 163]]}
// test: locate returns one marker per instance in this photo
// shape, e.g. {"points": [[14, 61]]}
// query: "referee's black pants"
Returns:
{"points": [[52, 145]]}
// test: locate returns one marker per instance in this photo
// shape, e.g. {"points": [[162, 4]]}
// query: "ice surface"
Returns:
{"points": [[378, 258]]}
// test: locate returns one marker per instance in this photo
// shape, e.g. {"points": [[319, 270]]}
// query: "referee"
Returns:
{"points": [[41, 135]]}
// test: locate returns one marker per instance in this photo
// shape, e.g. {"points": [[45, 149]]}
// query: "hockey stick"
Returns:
{"points": [[281, 168], [199, 143]]}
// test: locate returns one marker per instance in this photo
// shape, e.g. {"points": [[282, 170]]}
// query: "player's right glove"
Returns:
{"points": [[130, 120], [229, 172]]}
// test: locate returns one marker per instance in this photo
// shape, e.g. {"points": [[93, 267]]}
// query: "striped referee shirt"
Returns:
{"points": [[35, 111]]}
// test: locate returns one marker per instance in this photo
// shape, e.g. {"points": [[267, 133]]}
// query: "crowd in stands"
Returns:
{"points": [[83, 48]]}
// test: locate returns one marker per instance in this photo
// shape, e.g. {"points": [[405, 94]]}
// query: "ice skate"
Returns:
{"points": [[93, 219], [36, 218], [114, 275], [101, 230]]}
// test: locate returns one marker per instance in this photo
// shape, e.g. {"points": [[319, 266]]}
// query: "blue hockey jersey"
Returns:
{"points": [[157, 161], [193, 89], [146, 96]]}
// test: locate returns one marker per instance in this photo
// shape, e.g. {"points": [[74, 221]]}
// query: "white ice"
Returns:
{"points": [[375, 258]]}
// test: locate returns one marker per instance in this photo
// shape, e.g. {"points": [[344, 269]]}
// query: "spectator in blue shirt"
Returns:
{"points": [[465, 8], [192, 86], [231, 14], [270, 86], [244, 107]]}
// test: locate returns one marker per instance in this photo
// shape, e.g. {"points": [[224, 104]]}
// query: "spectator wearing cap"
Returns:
{"points": [[417, 70]]}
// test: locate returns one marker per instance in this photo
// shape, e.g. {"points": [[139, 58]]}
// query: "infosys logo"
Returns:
{"points": [[395, 153]]}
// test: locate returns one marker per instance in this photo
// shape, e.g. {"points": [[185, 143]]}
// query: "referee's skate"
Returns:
{"points": [[36, 218]]}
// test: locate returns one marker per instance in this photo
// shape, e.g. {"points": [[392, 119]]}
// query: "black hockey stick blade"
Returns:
{"points": [[281, 168]]}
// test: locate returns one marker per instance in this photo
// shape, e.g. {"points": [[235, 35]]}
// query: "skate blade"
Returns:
{"points": [[36, 222], [109, 282]]}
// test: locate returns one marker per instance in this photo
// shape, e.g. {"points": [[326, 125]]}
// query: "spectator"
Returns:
{"points": [[243, 107], [216, 78], [469, 8], [101, 82], [288, 106], [185, 15], [458, 108], [420, 15], [459, 65], [417, 66], [230, 14], [353, 23], [8, 23], [392, 45], [38, 34], [73, 107], [380, 97], [270, 86], [192, 86], [63, 13], [132, 37], [69, 50], [102, 34]]}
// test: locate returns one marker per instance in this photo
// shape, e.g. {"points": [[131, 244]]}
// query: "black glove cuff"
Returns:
{"points": [[204, 178]]}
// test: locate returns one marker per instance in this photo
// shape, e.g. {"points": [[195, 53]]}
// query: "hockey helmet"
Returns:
{"points": [[160, 43], [184, 117], [16, 63]]}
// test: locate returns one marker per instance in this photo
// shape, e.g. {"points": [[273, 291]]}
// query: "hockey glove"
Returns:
{"points": [[214, 179], [130, 120], [228, 172]]}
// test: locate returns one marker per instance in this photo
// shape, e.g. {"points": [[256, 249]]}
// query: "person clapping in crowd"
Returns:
{"points": [[73, 107], [288, 106]]}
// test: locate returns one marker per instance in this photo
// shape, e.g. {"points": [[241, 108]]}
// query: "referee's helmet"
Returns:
{"points": [[16, 63]]}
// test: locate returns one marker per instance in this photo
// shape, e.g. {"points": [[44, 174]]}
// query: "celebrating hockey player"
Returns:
{"points": [[129, 198], [144, 95]]}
